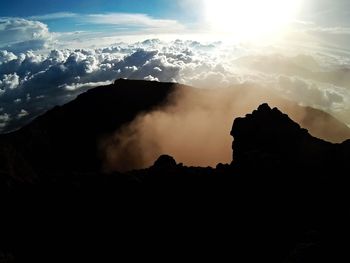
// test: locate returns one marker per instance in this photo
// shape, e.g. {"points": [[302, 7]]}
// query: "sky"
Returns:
{"points": [[51, 51]]}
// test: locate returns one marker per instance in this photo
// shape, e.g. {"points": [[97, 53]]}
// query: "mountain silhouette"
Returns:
{"points": [[282, 199], [267, 137], [64, 141]]}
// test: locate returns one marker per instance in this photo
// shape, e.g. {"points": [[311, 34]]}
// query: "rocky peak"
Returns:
{"points": [[267, 135], [165, 161]]}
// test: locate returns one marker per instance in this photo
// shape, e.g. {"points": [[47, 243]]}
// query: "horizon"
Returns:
{"points": [[52, 51]]}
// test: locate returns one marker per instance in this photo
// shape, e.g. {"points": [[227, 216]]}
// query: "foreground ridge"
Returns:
{"points": [[282, 199]]}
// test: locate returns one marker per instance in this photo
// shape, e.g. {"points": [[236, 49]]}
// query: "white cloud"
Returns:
{"points": [[22, 34], [134, 20], [122, 20], [19, 35], [151, 78], [6, 56], [52, 16], [22, 113], [331, 30], [37, 82], [77, 86], [4, 119], [10, 81], [310, 33]]}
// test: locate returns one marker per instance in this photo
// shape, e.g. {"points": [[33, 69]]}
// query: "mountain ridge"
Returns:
{"points": [[282, 199], [65, 139]]}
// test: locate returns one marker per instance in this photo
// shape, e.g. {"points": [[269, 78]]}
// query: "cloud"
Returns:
{"points": [[10, 81], [37, 81], [334, 37], [4, 119], [6, 56], [331, 30], [22, 113], [151, 78], [53, 16], [19, 35], [84, 86], [311, 93], [133, 20], [130, 23]]}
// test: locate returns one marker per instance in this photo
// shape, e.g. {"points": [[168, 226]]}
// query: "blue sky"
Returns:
{"points": [[75, 15], [39, 8], [23, 8]]}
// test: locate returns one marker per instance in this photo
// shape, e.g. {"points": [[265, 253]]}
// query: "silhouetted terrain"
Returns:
{"points": [[65, 139], [64, 142], [282, 199]]}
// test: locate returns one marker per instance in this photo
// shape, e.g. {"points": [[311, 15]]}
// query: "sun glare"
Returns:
{"points": [[250, 18]]}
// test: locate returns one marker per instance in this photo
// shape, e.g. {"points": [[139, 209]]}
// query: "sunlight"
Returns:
{"points": [[250, 18]]}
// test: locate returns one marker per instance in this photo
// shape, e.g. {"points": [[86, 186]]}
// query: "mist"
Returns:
{"points": [[194, 127]]}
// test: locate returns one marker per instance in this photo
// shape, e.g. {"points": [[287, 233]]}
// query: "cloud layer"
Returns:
{"points": [[19, 35], [35, 77]]}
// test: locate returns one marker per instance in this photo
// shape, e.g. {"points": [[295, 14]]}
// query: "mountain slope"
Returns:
{"points": [[283, 198], [66, 137], [64, 141]]}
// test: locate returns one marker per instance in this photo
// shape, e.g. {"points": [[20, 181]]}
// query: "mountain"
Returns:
{"points": [[65, 140], [269, 138], [283, 198]]}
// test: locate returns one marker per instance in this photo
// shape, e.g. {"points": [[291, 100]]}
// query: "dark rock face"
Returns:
{"points": [[300, 176], [165, 161], [265, 132], [269, 138]]}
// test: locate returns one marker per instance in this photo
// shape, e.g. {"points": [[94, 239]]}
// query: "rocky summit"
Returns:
{"points": [[268, 138], [283, 198]]}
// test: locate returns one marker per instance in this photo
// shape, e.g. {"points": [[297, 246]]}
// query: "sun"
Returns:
{"points": [[250, 18]]}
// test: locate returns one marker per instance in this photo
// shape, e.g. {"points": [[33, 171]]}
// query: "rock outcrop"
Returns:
{"points": [[165, 162], [268, 138]]}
